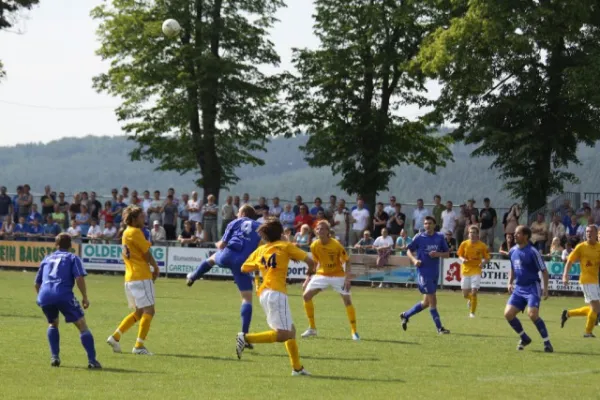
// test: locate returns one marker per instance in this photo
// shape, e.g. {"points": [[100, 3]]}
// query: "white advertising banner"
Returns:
{"points": [[183, 260], [107, 257], [495, 274]]}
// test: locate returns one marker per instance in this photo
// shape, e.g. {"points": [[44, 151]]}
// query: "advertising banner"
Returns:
{"points": [[183, 260], [27, 254], [107, 257]]}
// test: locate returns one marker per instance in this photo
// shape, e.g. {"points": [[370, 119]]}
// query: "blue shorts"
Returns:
{"points": [[234, 261], [69, 307], [427, 285], [529, 296]]}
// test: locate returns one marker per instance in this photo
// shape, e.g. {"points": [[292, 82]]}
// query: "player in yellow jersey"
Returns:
{"points": [[473, 254], [331, 257], [272, 259], [588, 255], [139, 281]]}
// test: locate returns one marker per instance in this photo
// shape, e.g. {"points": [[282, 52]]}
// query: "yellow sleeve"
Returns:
{"points": [[253, 262], [575, 254], [344, 257], [461, 250], [139, 241], [294, 252]]}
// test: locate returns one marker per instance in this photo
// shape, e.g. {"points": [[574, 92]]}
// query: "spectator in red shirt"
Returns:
{"points": [[304, 218], [106, 214]]}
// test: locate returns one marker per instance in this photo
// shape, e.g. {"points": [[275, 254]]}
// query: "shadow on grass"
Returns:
{"points": [[21, 316], [571, 353], [481, 335], [439, 366], [320, 357], [109, 369], [213, 358], [389, 341], [355, 379]]}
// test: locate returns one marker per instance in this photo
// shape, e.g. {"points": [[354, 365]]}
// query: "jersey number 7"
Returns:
{"points": [[270, 263]]}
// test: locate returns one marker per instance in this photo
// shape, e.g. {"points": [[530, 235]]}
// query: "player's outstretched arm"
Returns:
{"points": [[80, 281]]}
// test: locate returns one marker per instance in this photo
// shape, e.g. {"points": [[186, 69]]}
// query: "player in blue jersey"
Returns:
{"points": [[54, 282], [238, 242], [526, 263], [424, 252]]}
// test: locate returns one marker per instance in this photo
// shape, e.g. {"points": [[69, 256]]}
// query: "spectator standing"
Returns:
{"points": [[146, 203], [509, 243], [184, 214], [539, 233], [380, 221], [396, 222], [158, 233], [403, 241], [195, 210], [489, 219], [461, 224], [94, 206], [437, 211], [6, 205], [303, 218], [261, 206], [156, 208], [135, 200], [83, 220], [115, 197], [245, 200], [275, 210], [264, 214], [228, 213], [170, 212], [95, 232], [287, 217], [572, 231], [211, 211], [566, 220], [236, 201], [471, 209], [341, 223], [359, 217], [35, 215], [171, 192], [449, 219], [298, 204], [48, 201], [106, 214], [85, 199], [75, 207], [63, 207], [15, 201], [317, 207], [512, 219], [585, 216], [474, 222], [125, 194], [390, 210], [25, 202], [564, 208], [331, 208], [419, 214], [557, 229], [59, 216], [117, 211]]}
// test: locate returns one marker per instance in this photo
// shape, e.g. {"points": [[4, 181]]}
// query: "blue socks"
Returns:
{"points": [[246, 313], [541, 327], [417, 308], [202, 269], [436, 318], [54, 340], [517, 327], [87, 340]]}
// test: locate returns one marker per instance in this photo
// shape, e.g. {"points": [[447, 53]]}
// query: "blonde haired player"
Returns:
{"points": [[331, 257], [588, 255], [473, 254], [139, 281], [272, 260]]}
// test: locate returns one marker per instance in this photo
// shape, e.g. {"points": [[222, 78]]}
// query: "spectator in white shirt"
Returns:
{"points": [[360, 221], [95, 232], [156, 208], [557, 228], [194, 207], [146, 203], [275, 210], [340, 222], [449, 219], [390, 210], [210, 212], [109, 231], [264, 214], [419, 214], [158, 233], [74, 230], [384, 241]]}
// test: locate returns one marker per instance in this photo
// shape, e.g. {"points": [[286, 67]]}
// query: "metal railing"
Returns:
{"points": [[555, 204]]}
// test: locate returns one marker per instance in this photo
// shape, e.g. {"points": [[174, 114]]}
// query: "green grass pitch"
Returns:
{"points": [[193, 336]]}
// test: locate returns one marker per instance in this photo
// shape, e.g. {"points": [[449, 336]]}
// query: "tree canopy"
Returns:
{"points": [[199, 102], [349, 93], [520, 80], [9, 13]]}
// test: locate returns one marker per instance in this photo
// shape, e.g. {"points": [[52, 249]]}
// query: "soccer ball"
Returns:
{"points": [[171, 28]]}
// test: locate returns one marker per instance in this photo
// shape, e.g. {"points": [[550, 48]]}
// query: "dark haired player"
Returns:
{"points": [[524, 286], [54, 282], [424, 252]]}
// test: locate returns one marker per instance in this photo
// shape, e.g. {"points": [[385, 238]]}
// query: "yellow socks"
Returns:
{"points": [[473, 298], [591, 321], [309, 307], [579, 312], [292, 348], [125, 325], [351, 317], [263, 337], [143, 330]]}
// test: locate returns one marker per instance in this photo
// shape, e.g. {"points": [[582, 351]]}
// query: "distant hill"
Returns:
{"points": [[101, 163]]}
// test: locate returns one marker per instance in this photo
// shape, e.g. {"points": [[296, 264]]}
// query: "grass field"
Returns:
{"points": [[193, 334]]}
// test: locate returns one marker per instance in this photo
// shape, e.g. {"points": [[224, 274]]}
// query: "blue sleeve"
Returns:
{"points": [[229, 231], [76, 267], [414, 244], [40, 274], [537, 259]]}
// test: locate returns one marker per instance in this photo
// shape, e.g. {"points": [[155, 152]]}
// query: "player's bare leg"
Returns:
{"points": [[144, 328], [309, 308], [87, 341], [351, 312]]}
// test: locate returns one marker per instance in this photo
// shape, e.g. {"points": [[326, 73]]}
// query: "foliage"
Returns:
{"points": [[520, 81], [9, 13], [198, 103], [349, 91]]}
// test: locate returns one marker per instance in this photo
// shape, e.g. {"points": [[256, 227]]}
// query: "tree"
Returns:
{"points": [[520, 81], [198, 103], [9, 11], [348, 93]]}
